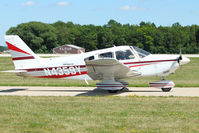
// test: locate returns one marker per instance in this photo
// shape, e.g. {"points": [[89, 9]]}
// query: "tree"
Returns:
{"points": [[87, 37], [40, 37]]}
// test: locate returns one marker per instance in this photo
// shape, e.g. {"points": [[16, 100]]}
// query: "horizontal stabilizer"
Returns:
{"points": [[15, 71]]}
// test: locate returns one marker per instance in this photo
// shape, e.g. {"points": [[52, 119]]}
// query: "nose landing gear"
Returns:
{"points": [[165, 85], [166, 89]]}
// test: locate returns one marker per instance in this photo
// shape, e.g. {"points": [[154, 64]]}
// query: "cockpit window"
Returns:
{"points": [[142, 53], [89, 58], [124, 55], [106, 55]]}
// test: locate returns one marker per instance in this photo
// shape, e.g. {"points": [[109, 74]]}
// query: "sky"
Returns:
{"points": [[97, 12]]}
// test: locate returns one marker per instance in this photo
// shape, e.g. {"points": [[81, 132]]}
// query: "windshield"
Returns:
{"points": [[142, 53]]}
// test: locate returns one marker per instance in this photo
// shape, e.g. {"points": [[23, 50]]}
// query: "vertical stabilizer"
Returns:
{"points": [[21, 54]]}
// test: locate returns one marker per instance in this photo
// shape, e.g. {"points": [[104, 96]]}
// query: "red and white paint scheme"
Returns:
{"points": [[109, 65]]}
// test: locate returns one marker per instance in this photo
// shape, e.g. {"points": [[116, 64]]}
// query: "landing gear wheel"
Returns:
{"points": [[124, 89], [166, 89], [112, 91]]}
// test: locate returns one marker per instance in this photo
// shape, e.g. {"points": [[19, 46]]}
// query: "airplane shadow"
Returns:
{"points": [[12, 90], [61, 90], [99, 92], [94, 92]]}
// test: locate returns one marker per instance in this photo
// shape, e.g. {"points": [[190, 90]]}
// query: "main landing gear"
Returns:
{"points": [[112, 86]]}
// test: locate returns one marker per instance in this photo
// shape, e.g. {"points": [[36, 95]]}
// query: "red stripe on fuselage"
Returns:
{"points": [[14, 48], [141, 65], [23, 58], [62, 76], [139, 62]]}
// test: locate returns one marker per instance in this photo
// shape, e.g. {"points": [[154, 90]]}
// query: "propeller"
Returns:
{"points": [[179, 59]]}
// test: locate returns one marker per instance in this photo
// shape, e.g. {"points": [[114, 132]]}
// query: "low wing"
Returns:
{"points": [[15, 71], [108, 69]]}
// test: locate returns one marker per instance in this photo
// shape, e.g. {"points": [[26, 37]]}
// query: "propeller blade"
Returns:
{"points": [[179, 59]]}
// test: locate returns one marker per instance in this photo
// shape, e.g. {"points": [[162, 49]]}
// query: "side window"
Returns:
{"points": [[120, 55], [124, 55], [129, 55], [89, 58], [106, 55]]}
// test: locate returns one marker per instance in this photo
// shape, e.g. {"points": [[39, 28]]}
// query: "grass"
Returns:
{"points": [[99, 114], [188, 78]]}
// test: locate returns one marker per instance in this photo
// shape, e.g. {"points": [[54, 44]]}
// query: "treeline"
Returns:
{"points": [[42, 37]]}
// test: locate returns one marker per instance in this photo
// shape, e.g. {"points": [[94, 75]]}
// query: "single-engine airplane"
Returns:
{"points": [[110, 65]]}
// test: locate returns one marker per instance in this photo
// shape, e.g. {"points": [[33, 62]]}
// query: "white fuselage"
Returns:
{"points": [[108, 65], [74, 67]]}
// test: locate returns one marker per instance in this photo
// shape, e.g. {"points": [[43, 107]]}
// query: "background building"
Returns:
{"points": [[68, 49]]}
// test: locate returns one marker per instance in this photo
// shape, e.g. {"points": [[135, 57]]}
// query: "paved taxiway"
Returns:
{"points": [[91, 91]]}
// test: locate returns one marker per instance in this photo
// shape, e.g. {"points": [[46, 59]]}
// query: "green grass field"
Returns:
{"points": [[99, 114], [108, 114], [188, 78]]}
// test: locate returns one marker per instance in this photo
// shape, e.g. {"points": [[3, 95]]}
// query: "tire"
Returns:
{"points": [[124, 89], [166, 89], [112, 91]]}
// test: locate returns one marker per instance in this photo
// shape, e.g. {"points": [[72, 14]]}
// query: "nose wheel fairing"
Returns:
{"points": [[165, 85]]}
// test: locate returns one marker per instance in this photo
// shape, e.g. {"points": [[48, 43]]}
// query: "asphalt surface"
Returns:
{"points": [[92, 91]]}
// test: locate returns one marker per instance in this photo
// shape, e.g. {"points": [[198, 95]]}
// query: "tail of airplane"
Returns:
{"points": [[21, 54]]}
